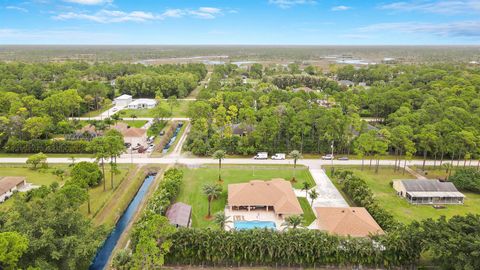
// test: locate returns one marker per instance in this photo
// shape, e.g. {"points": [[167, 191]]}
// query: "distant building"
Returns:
{"points": [[142, 103], [345, 221], [304, 89], [179, 214], [122, 100], [428, 192], [346, 83], [363, 84], [241, 129], [9, 184]]}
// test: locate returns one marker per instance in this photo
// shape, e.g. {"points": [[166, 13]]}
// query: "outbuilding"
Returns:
{"points": [[10, 184], [419, 191], [179, 214], [122, 100]]}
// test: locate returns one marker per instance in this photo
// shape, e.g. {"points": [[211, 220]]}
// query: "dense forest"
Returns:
{"points": [[37, 99], [429, 110]]}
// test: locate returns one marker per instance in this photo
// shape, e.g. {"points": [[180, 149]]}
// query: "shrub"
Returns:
{"points": [[46, 146], [467, 179]]}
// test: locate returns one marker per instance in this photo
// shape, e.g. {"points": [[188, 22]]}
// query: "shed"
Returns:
{"points": [[419, 191], [123, 100], [9, 184], [179, 214]]}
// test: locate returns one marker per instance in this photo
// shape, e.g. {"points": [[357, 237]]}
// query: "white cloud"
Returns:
{"points": [[340, 8], [89, 2], [62, 36], [290, 3], [116, 16], [449, 29], [17, 8], [438, 7], [206, 12]]}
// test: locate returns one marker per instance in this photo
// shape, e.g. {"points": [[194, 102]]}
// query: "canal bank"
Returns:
{"points": [[115, 239]]}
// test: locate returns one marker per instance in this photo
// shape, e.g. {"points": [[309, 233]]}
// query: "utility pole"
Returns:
{"points": [[331, 146]]}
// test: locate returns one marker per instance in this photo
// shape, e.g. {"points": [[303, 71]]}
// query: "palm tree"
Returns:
{"points": [[313, 195], [306, 186], [221, 219], [293, 221], [295, 154], [212, 191], [219, 154]]}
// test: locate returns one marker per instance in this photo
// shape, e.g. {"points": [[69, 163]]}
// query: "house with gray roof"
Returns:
{"points": [[419, 191]]}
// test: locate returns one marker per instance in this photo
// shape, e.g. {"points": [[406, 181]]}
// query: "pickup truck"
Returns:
{"points": [[278, 156], [261, 155]]}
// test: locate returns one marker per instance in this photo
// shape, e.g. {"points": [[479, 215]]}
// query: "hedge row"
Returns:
{"points": [[357, 189], [46, 146], [292, 248]]}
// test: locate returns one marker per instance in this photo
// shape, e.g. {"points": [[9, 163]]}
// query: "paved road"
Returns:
{"points": [[138, 118]]}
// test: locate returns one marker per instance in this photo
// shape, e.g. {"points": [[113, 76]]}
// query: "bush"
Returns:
{"points": [[46, 146], [467, 179]]}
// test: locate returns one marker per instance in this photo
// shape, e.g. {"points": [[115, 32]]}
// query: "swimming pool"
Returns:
{"points": [[254, 224]]}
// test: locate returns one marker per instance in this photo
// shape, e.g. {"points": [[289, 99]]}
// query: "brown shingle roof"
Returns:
{"points": [[9, 182], [129, 132], [353, 221], [276, 192], [179, 214]]}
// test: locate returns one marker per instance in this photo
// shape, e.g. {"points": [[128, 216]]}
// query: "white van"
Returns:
{"points": [[261, 155]]}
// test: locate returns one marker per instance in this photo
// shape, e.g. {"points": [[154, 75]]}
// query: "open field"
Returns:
{"points": [[178, 111], [194, 180], [97, 112], [399, 207]]}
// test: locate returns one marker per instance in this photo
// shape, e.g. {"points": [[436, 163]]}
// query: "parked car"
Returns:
{"points": [[114, 110], [278, 156], [150, 139], [161, 133], [150, 149], [343, 158], [328, 157], [127, 145], [261, 155]]}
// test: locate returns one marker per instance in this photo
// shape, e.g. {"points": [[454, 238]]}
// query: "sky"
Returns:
{"points": [[262, 22]]}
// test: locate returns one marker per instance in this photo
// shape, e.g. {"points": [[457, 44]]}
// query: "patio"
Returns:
{"points": [[245, 215]]}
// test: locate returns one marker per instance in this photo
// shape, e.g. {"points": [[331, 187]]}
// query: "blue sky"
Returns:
{"points": [[302, 22]]}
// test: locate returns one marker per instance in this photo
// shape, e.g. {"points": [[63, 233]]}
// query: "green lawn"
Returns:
{"points": [[97, 112], [308, 215], [136, 123], [178, 111], [50, 155], [195, 179], [399, 207]]}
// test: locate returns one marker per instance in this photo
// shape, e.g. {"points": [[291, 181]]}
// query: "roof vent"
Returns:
{"points": [[343, 211]]}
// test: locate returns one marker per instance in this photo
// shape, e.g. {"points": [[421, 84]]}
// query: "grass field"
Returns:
{"points": [[135, 123], [399, 207], [194, 180], [308, 215], [97, 112], [178, 111]]}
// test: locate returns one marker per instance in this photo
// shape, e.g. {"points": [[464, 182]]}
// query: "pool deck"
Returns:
{"points": [[252, 215]]}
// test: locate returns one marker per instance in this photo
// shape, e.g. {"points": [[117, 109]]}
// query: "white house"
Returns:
{"points": [[8, 185], [142, 103], [122, 100]]}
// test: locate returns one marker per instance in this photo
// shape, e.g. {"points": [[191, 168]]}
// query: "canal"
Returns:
{"points": [[103, 254]]}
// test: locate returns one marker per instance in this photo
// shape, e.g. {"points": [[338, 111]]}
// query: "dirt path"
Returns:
{"points": [[201, 85], [414, 173]]}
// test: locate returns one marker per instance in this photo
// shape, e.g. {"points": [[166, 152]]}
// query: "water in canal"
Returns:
{"points": [[103, 254]]}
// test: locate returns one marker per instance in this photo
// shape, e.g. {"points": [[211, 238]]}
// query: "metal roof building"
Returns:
{"points": [[428, 191], [179, 214]]}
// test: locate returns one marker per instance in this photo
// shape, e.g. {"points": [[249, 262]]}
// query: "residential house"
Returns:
{"points": [[345, 221], [142, 103], [122, 100], [134, 136]]}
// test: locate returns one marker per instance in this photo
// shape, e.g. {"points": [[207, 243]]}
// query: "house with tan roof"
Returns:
{"points": [[276, 195], [345, 221], [10, 184], [132, 135]]}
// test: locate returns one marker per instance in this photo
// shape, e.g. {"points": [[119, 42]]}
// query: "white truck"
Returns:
{"points": [[279, 156], [328, 157], [261, 155]]}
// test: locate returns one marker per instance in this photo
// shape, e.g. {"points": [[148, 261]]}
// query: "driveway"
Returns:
{"points": [[329, 196]]}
